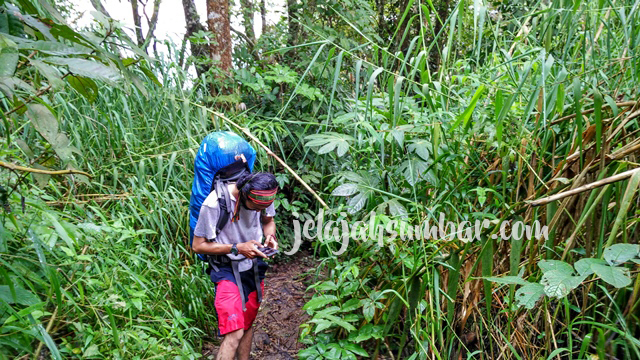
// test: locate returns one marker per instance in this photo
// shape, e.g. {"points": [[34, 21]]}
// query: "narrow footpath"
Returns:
{"points": [[277, 327]]}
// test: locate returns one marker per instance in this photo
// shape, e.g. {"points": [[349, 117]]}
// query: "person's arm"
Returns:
{"points": [[206, 229], [202, 246], [269, 231]]}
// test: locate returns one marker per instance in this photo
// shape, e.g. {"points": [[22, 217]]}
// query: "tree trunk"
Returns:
{"points": [[294, 27], [144, 41], [137, 22], [263, 15], [218, 21], [247, 17], [98, 6], [152, 23], [382, 24], [194, 25]]}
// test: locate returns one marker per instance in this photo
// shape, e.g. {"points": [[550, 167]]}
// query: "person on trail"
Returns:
{"points": [[235, 261]]}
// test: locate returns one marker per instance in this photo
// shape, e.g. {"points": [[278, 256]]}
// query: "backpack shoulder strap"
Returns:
{"points": [[223, 200]]}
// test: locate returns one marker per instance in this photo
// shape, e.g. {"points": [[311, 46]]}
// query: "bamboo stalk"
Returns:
{"points": [[271, 153], [40, 171], [590, 186], [589, 111]]}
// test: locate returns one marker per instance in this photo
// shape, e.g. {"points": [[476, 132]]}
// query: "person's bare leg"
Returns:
{"points": [[244, 349], [229, 345]]}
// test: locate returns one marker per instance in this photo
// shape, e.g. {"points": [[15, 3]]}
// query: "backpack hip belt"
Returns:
{"points": [[222, 260]]}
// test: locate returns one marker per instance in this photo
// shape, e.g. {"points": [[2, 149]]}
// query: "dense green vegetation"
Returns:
{"points": [[469, 109]]}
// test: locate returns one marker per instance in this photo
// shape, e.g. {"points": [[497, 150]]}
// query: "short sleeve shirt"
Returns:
{"points": [[248, 227]]}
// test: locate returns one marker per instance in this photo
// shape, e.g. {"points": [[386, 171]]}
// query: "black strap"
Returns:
{"points": [[257, 279], [223, 218], [236, 275]]}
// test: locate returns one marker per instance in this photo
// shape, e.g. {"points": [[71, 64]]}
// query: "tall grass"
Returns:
{"points": [[498, 123], [100, 267]]}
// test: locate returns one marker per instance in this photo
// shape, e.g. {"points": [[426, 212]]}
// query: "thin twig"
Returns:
{"points": [[30, 99], [40, 171], [269, 152]]}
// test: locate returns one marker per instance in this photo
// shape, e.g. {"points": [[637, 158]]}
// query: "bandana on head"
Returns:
{"points": [[258, 197], [262, 197]]}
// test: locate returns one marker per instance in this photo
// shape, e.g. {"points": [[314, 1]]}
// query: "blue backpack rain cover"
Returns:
{"points": [[217, 150]]}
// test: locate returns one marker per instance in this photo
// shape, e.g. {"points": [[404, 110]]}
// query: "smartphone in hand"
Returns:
{"points": [[268, 251]]}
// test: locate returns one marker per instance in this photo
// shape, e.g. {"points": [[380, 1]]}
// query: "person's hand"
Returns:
{"points": [[271, 242], [250, 249]]}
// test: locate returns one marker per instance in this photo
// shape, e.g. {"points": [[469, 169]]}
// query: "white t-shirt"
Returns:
{"points": [[248, 227]]}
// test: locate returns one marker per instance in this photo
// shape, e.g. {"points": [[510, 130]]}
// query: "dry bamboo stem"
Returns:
{"points": [[593, 185], [269, 152], [589, 111], [40, 171]]}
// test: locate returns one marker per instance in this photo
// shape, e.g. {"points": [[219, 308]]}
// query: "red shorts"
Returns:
{"points": [[228, 306]]}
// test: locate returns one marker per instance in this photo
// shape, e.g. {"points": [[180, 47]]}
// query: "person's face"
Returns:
{"points": [[250, 205]]}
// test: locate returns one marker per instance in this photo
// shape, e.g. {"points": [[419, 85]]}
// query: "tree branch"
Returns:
{"points": [[593, 185], [153, 22], [98, 6], [40, 171]]}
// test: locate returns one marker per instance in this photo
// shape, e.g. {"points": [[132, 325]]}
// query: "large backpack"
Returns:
{"points": [[214, 167]]}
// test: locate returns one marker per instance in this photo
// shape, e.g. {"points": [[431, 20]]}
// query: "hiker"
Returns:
{"points": [[235, 261]]}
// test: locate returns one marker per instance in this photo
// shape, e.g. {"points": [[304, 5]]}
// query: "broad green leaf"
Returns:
{"points": [[620, 253], [326, 285], [368, 309], [345, 190], [31, 22], [23, 297], [350, 305], [347, 355], [10, 24], [34, 310], [398, 135], [420, 147], [357, 202], [88, 68], [510, 280], [92, 350], [310, 353], [52, 74], [329, 141], [340, 322], [8, 61], [583, 266], [529, 295], [327, 148], [397, 209], [319, 301], [547, 265], [356, 349], [616, 276], [47, 125], [55, 48], [559, 283], [86, 87], [367, 332], [414, 169]]}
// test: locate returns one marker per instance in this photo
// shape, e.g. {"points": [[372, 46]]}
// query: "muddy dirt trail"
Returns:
{"points": [[277, 326]]}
